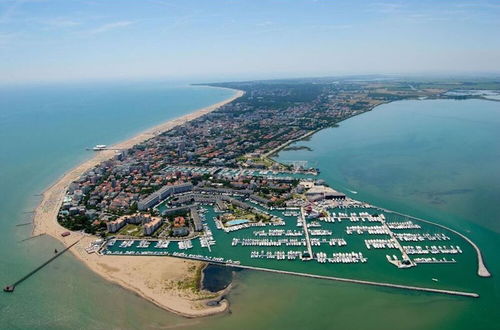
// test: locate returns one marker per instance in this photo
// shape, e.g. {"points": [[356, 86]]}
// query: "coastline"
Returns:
{"points": [[129, 272], [149, 277], [482, 270], [274, 152]]}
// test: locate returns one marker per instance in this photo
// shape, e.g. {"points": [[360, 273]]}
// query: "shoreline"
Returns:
{"points": [[275, 152], [184, 306], [482, 270], [154, 281]]}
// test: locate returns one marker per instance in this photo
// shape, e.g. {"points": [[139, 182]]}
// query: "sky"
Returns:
{"points": [[67, 40]]}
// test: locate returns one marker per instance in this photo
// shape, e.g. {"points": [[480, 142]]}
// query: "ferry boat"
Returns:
{"points": [[99, 147]]}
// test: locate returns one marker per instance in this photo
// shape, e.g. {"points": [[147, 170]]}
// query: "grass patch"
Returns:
{"points": [[192, 283], [131, 230]]}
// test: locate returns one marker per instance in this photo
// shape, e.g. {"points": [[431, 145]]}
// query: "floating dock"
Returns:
{"points": [[482, 271]]}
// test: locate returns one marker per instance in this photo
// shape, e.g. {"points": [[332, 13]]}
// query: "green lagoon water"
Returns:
{"points": [[433, 159]]}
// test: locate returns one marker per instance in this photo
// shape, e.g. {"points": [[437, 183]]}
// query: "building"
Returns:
{"points": [[115, 225], [225, 191], [316, 193], [179, 221], [151, 226], [181, 231], [190, 198], [259, 199], [163, 193], [220, 205], [196, 220], [136, 219], [175, 210]]}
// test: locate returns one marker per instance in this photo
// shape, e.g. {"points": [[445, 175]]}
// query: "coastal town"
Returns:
{"points": [[240, 164], [162, 212], [210, 189], [241, 135]]}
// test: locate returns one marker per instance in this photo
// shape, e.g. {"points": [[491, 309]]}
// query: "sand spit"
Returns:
{"points": [[164, 281]]}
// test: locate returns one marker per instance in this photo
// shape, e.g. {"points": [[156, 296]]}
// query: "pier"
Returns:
{"points": [[31, 237], [103, 149], [482, 271], [306, 233], [24, 224], [12, 287], [338, 279], [349, 280], [407, 262]]}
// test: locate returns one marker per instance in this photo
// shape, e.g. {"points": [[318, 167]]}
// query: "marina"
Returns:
{"points": [[376, 263], [482, 271], [290, 241]]}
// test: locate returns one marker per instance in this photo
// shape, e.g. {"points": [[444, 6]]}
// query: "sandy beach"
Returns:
{"points": [[161, 280]]}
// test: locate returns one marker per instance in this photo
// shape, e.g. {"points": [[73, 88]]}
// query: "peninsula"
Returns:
{"points": [[135, 274], [151, 211]]}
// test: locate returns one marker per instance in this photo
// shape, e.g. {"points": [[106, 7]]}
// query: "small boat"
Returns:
{"points": [[435, 279], [55, 251]]}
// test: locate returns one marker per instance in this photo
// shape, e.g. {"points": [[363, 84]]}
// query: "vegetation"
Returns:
{"points": [[131, 230], [294, 148], [239, 213], [193, 282]]}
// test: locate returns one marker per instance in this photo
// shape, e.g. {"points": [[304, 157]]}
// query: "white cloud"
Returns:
{"points": [[61, 22], [111, 26], [265, 23], [386, 7]]}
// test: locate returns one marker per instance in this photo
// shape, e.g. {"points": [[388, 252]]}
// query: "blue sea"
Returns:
{"points": [[44, 131]]}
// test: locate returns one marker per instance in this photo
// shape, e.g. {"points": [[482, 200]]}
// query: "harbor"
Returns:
{"points": [[261, 282], [336, 244]]}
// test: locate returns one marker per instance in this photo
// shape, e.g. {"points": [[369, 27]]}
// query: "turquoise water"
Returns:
{"points": [[434, 159]]}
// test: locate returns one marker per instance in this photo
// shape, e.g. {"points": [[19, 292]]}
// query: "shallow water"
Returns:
{"points": [[217, 278]]}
